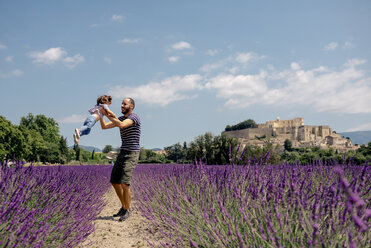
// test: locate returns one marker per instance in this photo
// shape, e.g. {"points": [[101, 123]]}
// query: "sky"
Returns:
{"points": [[191, 66]]}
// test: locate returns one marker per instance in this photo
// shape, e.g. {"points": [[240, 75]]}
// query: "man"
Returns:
{"points": [[127, 159]]}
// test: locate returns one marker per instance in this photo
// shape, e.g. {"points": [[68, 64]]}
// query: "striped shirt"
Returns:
{"points": [[130, 136]]}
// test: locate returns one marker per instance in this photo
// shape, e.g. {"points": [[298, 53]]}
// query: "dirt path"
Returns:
{"points": [[110, 233]]}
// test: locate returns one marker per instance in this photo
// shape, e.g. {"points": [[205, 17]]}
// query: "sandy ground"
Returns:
{"points": [[110, 233]]}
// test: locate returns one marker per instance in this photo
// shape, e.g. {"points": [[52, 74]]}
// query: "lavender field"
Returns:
{"points": [[50, 206], [258, 205], [315, 205]]}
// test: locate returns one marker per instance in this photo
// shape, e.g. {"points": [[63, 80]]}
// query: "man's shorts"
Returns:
{"points": [[124, 166]]}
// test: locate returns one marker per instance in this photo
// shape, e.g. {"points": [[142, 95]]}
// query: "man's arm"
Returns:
{"points": [[107, 112], [110, 113], [106, 125], [120, 124]]}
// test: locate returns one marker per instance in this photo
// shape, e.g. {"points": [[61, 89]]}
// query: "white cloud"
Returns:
{"points": [[3, 46], [161, 93], [354, 62], [239, 90], [331, 46], [129, 41], [347, 90], [232, 64], [212, 52], [348, 45], [233, 70], [182, 45], [295, 66], [211, 67], [73, 119], [13, 73], [362, 127], [107, 60], [49, 56], [118, 18], [55, 54], [73, 61], [9, 59], [245, 58], [173, 59], [16, 72]]}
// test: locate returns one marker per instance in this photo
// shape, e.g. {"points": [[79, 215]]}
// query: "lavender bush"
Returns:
{"points": [[50, 206], [257, 205]]}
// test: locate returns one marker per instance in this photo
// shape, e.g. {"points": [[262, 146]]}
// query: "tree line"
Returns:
{"points": [[221, 149], [306, 155], [37, 139]]}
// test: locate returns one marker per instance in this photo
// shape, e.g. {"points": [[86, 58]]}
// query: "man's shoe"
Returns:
{"points": [[125, 216], [75, 139], [121, 212], [77, 132]]}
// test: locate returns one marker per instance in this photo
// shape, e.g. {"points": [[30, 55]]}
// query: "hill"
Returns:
{"points": [[156, 149], [358, 137], [88, 148]]}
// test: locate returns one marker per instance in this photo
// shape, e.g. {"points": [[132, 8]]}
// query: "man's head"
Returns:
{"points": [[127, 105]]}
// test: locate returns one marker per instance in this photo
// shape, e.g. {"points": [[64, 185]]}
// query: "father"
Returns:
{"points": [[127, 159]]}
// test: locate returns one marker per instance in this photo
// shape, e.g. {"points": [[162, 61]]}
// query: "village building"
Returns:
{"points": [[301, 135]]}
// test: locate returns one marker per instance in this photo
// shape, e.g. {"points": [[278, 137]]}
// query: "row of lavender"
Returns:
{"points": [[257, 206], [50, 206]]}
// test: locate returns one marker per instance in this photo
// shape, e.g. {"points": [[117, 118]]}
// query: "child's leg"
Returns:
{"points": [[88, 124]]}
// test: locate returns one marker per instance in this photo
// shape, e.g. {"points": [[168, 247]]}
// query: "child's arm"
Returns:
{"points": [[106, 111]]}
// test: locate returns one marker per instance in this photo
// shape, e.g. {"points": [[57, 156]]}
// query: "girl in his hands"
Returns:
{"points": [[95, 114]]}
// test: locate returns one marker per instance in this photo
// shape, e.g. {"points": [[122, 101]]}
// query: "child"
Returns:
{"points": [[102, 101]]}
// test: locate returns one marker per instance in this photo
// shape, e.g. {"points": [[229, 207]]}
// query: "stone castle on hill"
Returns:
{"points": [[300, 135]]}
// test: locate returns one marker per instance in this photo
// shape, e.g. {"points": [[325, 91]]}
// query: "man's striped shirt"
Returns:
{"points": [[130, 136]]}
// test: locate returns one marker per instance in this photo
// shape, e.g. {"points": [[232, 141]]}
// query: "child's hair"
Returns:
{"points": [[104, 99]]}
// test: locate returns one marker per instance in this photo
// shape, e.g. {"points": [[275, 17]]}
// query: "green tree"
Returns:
{"points": [[12, 141], [250, 123], [51, 150], [225, 147], [34, 144], [142, 154], [47, 127], [92, 155], [212, 149], [288, 145], [63, 148], [107, 149], [77, 150], [85, 155], [174, 152]]}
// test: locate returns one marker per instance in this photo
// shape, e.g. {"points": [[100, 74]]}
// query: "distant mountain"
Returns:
{"points": [[156, 149], [358, 137], [88, 148]]}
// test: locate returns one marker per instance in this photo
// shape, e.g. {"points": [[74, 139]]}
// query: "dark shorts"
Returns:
{"points": [[124, 166]]}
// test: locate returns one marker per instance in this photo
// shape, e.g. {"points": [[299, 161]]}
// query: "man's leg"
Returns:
{"points": [[120, 193], [126, 195]]}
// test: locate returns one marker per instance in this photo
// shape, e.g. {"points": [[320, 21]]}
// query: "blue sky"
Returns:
{"points": [[191, 66]]}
